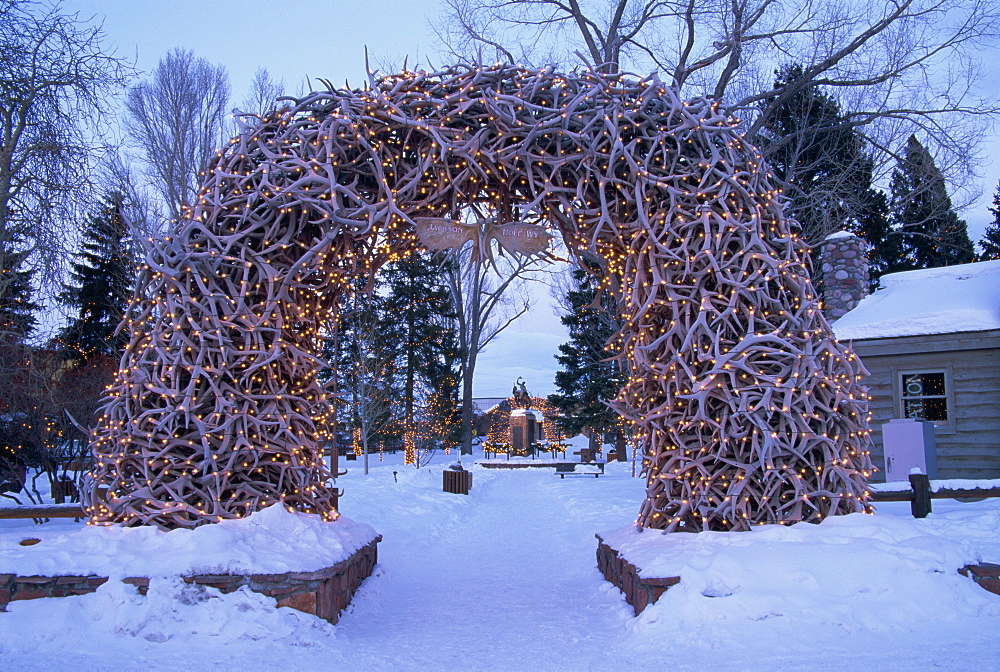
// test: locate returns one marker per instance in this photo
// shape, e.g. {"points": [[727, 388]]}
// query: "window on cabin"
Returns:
{"points": [[925, 396]]}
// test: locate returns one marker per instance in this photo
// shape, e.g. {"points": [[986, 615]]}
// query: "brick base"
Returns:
{"points": [[642, 592], [324, 593], [522, 465], [639, 592], [986, 575]]}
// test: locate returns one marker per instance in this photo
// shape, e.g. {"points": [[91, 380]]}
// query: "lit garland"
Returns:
{"points": [[409, 447], [747, 409], [498, 437]]}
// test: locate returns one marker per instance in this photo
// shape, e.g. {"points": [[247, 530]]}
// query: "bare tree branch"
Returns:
{"points": [[898, 65], [57, 79], [484, 308], [178, 120]]}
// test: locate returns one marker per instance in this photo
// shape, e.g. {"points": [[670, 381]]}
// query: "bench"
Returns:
{"points": [[565, 469]]}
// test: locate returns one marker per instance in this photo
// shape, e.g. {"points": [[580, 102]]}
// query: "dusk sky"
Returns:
{"points": [[327, 39], [322, 39]]}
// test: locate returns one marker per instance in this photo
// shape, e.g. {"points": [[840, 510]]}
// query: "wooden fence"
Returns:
{"points": [[920, 494], [74, 510]]}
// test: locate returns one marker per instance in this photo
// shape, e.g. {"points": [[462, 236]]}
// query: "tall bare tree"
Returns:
{"points": [[263, 93], [486, 300], [896, 66], [178, 120], [57, 80], [139, 206], [57, 84]]}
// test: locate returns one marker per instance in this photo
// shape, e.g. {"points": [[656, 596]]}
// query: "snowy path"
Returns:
{"points": [[505, 579], [476, 580]]}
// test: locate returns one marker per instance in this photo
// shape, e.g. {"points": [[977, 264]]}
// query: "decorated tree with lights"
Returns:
{"points": [[24, 436], [418, 317], [747, 409]]}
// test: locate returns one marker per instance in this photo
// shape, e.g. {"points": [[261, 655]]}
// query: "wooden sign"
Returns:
{"points": [[438, 233], [521, 238]]}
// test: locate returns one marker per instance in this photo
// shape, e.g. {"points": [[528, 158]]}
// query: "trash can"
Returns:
{"points": [[457, 480]]}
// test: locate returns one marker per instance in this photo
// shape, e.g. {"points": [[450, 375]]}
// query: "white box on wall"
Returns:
{"points": [[909, 444]]}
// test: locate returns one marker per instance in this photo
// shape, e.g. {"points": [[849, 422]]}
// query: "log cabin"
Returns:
{"points": [[930, 339]]}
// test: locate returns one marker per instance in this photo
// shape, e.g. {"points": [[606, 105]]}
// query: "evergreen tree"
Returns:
{"points": [[827, 174], [990, 242], [101, 284], [820, 158], [873, 226], [361, 369], [418, 316], [922, 214], [587, 379], [17, 310]]}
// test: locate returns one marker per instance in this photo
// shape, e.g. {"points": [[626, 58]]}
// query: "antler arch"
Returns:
{"points": [[216, 411]]}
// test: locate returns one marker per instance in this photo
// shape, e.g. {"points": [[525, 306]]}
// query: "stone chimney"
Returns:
{"points": [[844, 277]]}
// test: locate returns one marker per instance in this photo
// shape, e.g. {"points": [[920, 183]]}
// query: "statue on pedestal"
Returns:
{"points": [[520, 393]]}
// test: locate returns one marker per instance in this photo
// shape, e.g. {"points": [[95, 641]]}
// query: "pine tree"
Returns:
{"points": [[827, 174], [819, 157], [361, 359], [101, 284], [990, 242], [418, 316], [587, 379], [873, 224], [922, 214], [17, 310]]}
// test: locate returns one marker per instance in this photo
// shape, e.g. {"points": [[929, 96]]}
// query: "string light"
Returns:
{"points": [[745, 407]]}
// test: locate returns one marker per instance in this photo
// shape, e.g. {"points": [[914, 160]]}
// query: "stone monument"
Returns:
{"points": [[525, 422]]}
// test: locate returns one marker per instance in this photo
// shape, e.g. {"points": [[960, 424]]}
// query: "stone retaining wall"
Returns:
{"points": [[642, 592], [639, 592], [324, 592], [521, 465]]}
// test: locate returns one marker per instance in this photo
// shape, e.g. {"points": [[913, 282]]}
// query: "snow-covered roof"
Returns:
{"points": [[928, 301], [486, 404]]}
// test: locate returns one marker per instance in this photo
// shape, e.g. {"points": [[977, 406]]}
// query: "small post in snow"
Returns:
{"points": [[920, 505]]}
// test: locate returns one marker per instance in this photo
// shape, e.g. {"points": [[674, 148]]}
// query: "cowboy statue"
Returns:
{"points": [[520, 393]]}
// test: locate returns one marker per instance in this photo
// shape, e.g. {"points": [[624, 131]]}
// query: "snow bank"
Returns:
{"points": [[171, 609], [271, 541], [872, 572], [928, 301], [836, 235]]}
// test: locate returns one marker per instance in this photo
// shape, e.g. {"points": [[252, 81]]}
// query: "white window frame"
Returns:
{"points": [[948, 396]]}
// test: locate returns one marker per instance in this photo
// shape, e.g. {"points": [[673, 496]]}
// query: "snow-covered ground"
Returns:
{"points": [[505, 579]]}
